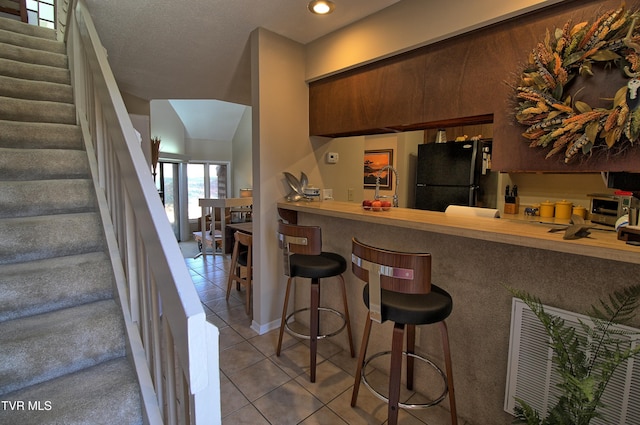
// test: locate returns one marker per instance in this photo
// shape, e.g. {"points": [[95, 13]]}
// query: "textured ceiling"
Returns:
{"points": [[198, 49]]}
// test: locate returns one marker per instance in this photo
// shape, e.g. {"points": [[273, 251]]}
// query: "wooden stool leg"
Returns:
{"points": [[284, 316], [411, 349], [314, 323], [395, 372], [346, 316], [232, 269], [447, 359], [361, 357]]}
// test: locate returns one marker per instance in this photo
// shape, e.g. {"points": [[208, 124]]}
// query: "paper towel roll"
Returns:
{"points": [[472, 211]]}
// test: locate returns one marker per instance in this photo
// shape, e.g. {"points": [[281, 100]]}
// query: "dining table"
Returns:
{"points": [[222, 204]]}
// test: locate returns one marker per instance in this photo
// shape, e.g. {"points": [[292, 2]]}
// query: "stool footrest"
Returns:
{"points": [[406, 405], [304, 336]]}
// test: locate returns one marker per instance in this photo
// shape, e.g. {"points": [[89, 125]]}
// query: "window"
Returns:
{"points": [[42, 13], [205, 180]]}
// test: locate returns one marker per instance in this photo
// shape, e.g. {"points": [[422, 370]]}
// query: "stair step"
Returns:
{"points": [[28, 71], [35, 90], [33, 56], [38, 238], [107, 394], [37, 111], [28, 135], [37, 287], [44, 197], [38, 164], [38, 348], [26, 29], [31, 42]]}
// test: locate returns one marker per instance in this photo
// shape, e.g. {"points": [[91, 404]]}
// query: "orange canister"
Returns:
{"points": [[564, 209], [546, 209], [580, 211]]}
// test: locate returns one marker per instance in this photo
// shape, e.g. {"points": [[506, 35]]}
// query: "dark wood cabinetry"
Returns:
{"points": [[463, 80]]}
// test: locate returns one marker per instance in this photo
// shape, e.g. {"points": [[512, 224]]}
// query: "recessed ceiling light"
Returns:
{"points": [[321, 7]]}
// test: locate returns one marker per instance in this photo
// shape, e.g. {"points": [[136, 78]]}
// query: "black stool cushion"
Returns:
{"points": [[414, 309], [326, 264]]}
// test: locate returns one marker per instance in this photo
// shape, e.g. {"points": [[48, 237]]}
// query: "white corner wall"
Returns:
{"points": [[166, 125], [241, 155], [280, 143]]}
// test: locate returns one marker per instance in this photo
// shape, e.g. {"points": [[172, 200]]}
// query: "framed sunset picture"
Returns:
{"points": [[374, 161]]}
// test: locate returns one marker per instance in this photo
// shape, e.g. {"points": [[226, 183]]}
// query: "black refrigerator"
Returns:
{"points": [[449, 173]]}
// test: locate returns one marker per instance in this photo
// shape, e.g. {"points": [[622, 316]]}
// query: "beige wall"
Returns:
{"points": [[166, 124], [208, 149], [280, 143], [404, 26], [241, 155]]}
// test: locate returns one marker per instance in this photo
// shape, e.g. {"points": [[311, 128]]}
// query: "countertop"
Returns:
{"points": [[511, 229]]}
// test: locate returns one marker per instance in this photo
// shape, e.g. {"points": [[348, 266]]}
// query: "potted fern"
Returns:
{"points": [[586, 362]]}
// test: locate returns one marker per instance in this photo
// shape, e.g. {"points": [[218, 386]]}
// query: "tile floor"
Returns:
{"points": [[259, 388]]}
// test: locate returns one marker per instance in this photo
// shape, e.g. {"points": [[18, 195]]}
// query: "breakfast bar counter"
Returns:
{"points": [[474, 259], [516, 230]]}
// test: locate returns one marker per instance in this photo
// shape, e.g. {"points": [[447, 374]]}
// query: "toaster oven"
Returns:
{"points": [[605, 208]]}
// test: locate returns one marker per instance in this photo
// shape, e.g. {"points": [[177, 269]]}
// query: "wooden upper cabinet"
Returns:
{"points": [[461, 78], [370, 99]]}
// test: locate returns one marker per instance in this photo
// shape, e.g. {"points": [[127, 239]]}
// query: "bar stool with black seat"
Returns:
{"points": [[303, 256], [398, 288], [241, 259]]}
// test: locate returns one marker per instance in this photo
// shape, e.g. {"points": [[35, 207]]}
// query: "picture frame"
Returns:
{"points": [[374, 161]]}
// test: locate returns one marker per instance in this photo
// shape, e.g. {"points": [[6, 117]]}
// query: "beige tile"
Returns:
{"points": [[221, 306], [216, 320], [259, 379], [232, 312], [239, 357], [243, 327], [323, 416], [379, 381], [327, 348], [268, 343], [295, 360], [248, 415], [231, 399], [288, 405], [436, 415], [345, 362], [369, 410], [331, 381], [229, 337]]}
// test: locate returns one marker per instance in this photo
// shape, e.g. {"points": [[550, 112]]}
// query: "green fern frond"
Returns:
{"points": [[525, 414], [585, 361], [621, 308]]}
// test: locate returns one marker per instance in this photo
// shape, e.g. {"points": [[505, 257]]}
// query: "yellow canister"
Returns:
{"points": [[546, 209], [564, 209], [580, 211]]}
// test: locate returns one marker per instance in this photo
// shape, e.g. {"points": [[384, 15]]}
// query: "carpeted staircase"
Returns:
{"points": [[62, 336]]}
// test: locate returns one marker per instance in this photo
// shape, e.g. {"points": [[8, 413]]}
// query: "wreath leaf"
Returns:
{"points": [[582, 107], [605, 55], [554, 120]]}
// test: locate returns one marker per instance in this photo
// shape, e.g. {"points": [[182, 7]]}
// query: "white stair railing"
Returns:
{"points": [[173, 347]]}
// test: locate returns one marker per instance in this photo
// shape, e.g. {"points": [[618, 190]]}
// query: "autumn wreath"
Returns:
{"points": [[559, 123]]}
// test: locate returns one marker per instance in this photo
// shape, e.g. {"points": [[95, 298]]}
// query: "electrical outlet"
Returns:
{"points": [[350, 194]]}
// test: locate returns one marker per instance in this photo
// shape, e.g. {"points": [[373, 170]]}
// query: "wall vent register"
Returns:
{"points": [[532, 377]]}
